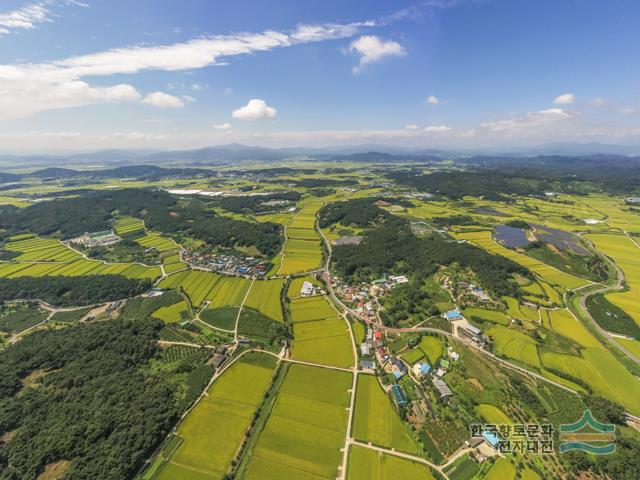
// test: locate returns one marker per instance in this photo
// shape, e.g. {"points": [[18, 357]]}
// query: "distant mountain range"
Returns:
{"points": [[232, 154]]}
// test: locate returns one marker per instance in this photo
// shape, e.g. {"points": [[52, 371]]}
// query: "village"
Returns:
{"points": [[224, 263]]}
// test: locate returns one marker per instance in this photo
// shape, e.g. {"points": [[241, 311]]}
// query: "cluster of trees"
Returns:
{"points": [[407, 300], [360, 212], [96, 404], [392, 247], [323, 182], [254, 204], [491, 185], [193, 219], [72, 291]]}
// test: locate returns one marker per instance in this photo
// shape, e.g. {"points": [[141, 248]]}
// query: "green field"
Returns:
{"points": [[503, 469], [319, 335], [492, 414], [306, 430], [264, 296], [178, 312], [366, 464], [296, 285], [484, 315], [626, 254], [224, 318], [514, 344], [376, 420], [213, 431]]}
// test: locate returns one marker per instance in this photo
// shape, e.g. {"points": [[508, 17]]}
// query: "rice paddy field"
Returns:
{"points": [[214, 430], [178, 312], [39, 257], [320, 336], [514, 344], [626, 254], [376, 419], [264, 296], [367, 464], [296, 285], [485, 315], [552, 275], [129, 226], [493, 414], [302, 249], [503, 469], [305, 432]]}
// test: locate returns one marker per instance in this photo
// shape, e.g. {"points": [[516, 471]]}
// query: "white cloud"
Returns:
{"points": [[626, 110], [254, 110], [372, 48], [163, 100], [565, 99], [223, 126], [432, 100], [412, 126], [437, 128], [29, 88], [188, 98], [530, 121], [598, 102], [196, 87], [31, 15]]}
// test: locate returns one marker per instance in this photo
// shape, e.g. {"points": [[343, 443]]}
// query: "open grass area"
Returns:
{"points": [[376, 419], [213, 431], [305, 432], [366, 464], [264, 296], [224, 318], [15, 318]]}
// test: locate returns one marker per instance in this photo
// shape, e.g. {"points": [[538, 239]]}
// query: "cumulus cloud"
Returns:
{"points": [[35, 87], [433, 100], [256, 109], [196, 87], [530, 121], [565, 99], [372, 48], [163, 100], [412, 126], [223, 126]]}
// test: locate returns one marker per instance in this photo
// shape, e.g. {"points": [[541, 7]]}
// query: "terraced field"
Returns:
{"points": [[306, 429], [41, 257], [214, 430], [320, 336], [302, 249], [376, 420]]}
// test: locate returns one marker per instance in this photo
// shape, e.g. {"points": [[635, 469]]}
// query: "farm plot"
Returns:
{"points": [[213, 431], [367, 464], [296, 285], [157, 241], [493, 414], [264, 296], [600, 371], [42, 250], [376, 420], [129, 226], [302, 249], [483, 239], [514, 344], [195, 284], [319, 335], [178, 312], [484, 315], [228, 292], [306, 429], [626, 254], [564, 323]]}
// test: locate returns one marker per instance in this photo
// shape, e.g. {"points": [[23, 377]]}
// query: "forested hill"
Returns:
{"points": [[393, 248], [161, 211], [85, 397]]}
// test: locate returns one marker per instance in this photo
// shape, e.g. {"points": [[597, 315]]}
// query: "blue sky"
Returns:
{"points": [[94, 74]]}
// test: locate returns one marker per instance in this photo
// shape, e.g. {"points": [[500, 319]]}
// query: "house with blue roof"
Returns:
{"points": [[491, 438], [398, 396], [453, 315]]}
